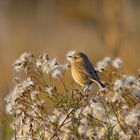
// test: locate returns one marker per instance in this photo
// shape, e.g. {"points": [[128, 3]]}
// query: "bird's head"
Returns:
{"points": [[77, 57]]}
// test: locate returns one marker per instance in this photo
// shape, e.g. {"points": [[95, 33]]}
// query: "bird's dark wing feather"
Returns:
{"points": [[92, 72]]}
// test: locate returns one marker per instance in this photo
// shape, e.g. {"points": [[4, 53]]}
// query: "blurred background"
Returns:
{"points": [[97, 27]]}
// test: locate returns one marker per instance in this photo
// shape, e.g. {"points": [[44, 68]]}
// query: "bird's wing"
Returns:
{"points": [[88, 69], [82, 68], [91, 71]]}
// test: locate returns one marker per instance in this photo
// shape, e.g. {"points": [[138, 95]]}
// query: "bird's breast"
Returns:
{"points": [[78, 76]]}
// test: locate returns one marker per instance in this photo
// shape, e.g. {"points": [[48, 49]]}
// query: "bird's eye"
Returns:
{"points": [[75, 57]]}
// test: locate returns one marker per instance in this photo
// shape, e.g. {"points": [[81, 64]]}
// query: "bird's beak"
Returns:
{"points": [[70, 56]]}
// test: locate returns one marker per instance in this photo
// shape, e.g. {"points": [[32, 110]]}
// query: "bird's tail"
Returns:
{"points": [[101, 84]]}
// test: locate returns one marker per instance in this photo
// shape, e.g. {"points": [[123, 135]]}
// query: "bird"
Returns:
{"points": [[83, 72]]}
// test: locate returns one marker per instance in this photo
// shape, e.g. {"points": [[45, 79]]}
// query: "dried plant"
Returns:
{"points": [[112, 113]]}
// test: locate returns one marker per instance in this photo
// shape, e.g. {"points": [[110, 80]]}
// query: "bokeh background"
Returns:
{"points": [[97, 27]]}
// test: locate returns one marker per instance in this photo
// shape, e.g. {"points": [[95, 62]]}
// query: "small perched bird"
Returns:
{"points": [[83, 71]]}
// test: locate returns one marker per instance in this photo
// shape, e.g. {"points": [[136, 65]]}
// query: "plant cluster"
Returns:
{"points": [[112, 113]]}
